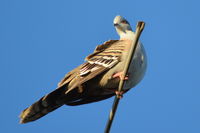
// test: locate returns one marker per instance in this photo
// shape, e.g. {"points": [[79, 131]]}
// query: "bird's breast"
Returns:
{"points": [[136, 71]]}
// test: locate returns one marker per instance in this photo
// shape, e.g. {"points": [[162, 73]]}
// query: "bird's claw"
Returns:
{"points": [[119, 94], [120, 75]]}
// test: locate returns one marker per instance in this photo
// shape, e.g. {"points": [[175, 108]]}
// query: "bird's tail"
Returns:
{"points": [[43, 106]]}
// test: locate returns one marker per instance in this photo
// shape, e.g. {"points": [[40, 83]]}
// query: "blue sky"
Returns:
{"points": [[40, 41]]}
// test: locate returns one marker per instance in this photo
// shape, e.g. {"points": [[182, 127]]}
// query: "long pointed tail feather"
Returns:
{"points": [[43, 106]]}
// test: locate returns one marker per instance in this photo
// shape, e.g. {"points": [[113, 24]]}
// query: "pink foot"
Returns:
{"points": [[120, 75], [119, 94]]}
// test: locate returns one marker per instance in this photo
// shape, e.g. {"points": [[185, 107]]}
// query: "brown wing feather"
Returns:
{"points": [[72, 74], [76, 79], [101, 48], [69, 76]]}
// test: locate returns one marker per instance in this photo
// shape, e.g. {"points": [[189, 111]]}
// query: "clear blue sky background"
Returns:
{"points": [[40, 41]]}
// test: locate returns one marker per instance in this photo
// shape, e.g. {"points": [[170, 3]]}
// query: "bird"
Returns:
{"points": [[97, 78]]}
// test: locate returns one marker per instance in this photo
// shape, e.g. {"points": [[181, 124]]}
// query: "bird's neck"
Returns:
{"points": [[128, 35]]}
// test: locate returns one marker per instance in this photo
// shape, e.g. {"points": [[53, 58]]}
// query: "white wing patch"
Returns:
{"points": [[98, 62]]}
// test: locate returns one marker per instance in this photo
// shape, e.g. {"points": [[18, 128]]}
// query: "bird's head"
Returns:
{"points": [[123, 27]]}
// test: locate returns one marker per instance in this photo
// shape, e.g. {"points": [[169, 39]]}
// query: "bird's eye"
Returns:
{"points": [[124, 22]]}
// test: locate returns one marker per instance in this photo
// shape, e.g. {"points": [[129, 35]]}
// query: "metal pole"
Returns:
{"points": [[139, 29]]}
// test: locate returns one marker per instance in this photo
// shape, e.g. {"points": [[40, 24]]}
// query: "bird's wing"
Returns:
{"points": [[104, 58]]}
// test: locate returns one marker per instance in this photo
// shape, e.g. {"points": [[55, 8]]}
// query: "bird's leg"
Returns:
{"points": [[120, 75]]}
